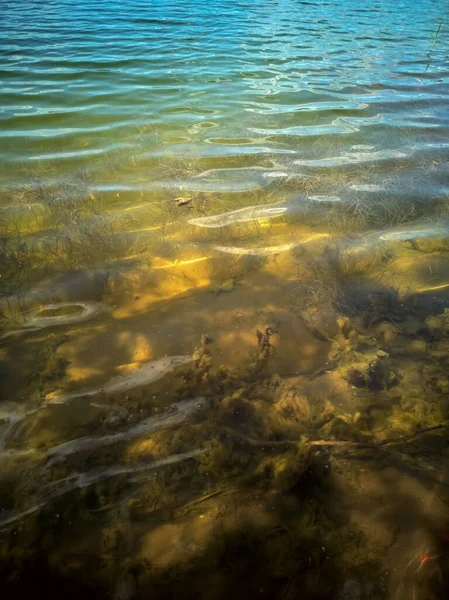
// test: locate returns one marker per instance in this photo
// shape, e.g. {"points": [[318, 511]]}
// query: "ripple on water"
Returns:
{"points": [[241, 215], [58, 314], [137, 375], [289, 116]]}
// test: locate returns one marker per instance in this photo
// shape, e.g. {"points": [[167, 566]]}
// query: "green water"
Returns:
{"points": [[224, 335]]}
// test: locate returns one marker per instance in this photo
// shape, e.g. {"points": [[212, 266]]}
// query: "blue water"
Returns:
{"points": [[231, 83]]}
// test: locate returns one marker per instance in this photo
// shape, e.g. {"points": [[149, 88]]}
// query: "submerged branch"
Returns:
{"points": [[340, 443]]}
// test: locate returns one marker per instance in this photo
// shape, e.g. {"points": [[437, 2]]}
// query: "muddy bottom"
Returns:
{"points": [[255, 416], [225, 442]]}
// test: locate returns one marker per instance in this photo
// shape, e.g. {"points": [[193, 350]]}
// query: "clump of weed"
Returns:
{"points": [[357, 259], [358, 214], [369, 300], [179, 168], [343, 279], [21, 266], [442, 209], [74, 230]]}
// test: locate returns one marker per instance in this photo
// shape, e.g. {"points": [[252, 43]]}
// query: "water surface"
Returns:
{"points": [[224, 236]]}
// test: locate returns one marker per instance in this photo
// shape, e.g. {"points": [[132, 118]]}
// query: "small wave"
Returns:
{"points": [[82, 480], [367, 187], [9, 421], [406, 235], [36, 318], [249, 213], [227, 180], [325, 198], [276, 174], [362, 147], [179, 413], [141, 374], [352, 158], [270, 250], [267, 251]]}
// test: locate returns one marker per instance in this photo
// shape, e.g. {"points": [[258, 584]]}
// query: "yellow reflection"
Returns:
{"points": [[154, 228], [433, 288], [164, 281], [181, 263], [264, 223], [142, 349], [77, 373], [315, 236], [139, 447], [129, 368], [137, 345], [236, 339]]}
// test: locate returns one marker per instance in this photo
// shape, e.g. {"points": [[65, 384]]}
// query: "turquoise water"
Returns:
{"points": [[253, 84], [224, 274]]}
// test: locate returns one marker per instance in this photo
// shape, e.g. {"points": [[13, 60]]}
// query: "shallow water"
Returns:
{"points": [[224, 260]]}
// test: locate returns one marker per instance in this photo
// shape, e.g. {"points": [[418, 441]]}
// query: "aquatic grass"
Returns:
{"points": [[179, 168], [354, 280], [442, 209], [434, 41], [20, 267], [358, 207], [368, 299], [350, 260], [227, 269], [296, 182], [76, 232], [356, 211], [360, 214]]}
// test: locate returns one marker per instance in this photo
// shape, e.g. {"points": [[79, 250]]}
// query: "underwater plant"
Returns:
{"points": [[352, 279], [20, 266]]}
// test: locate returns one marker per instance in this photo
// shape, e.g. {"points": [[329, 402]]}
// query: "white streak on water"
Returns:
{"points": [[362, 147], [267, 251], [276, 174], [367, 187], [352, 158], [7, 424], [325, 198], [249, 213], [9, 420], [120, 412], [144, 374], [404, 235], [168, 419], [35, 322], [82, 480]]}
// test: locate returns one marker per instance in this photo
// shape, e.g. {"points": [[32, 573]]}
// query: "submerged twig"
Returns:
{"points": [[264, 348], [410, 438], [433, 43], [341, 443]]}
